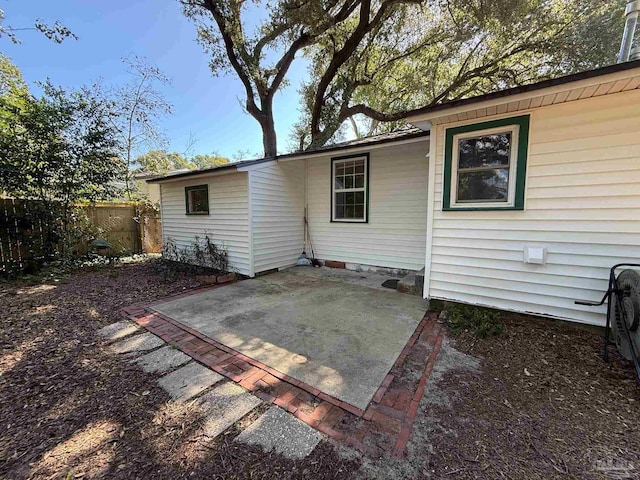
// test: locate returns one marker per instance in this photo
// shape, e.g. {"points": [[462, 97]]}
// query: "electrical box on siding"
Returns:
{"points": [[535, 255]]}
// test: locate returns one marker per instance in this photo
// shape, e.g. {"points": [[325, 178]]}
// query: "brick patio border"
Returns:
{"points": [[383, 428]]}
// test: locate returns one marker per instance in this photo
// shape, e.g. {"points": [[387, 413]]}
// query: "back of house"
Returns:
{"points": [[520, 200]]}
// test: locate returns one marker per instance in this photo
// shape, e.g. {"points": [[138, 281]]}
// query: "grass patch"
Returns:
{"points": [[483, 322]]}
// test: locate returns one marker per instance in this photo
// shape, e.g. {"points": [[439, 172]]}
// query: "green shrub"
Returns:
{"points": [[482, 321]]}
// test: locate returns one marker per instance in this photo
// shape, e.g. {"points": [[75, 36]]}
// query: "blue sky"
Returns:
{"points": [[207, 107]]}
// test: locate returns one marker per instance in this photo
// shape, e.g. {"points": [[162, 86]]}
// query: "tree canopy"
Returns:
{"points": [[55, 150], [161, 161], [376, 60], [59, 147]]}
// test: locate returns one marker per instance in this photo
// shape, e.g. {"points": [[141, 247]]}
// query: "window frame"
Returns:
{"points": [[332, 172], [190, 188], [519, 128]]}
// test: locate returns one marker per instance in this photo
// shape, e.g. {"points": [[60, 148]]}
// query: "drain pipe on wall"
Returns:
{"points": [[630, 47]]}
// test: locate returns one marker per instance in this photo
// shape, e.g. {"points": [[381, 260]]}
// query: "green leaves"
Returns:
{"points": [[59, 147], [372, 62], [160, 161]]}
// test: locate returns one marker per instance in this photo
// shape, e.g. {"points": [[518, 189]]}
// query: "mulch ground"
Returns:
{"points": [[69, 408], [543, 405]]}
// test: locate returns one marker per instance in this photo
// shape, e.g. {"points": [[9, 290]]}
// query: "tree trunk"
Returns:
{"points": [[265, 118], [269, 139]]}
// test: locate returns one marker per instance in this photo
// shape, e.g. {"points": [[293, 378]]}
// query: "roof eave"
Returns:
{"points": [[424, 118]]}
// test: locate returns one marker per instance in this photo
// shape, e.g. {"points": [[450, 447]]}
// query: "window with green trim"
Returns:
{"points": [[197, 199], [350, 189], [485, 165]]}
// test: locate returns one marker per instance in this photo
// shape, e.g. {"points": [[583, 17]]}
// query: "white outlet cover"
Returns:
{"points": [[535, 255]]}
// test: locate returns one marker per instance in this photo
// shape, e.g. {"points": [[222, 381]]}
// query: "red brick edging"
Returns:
{"points": [[385, 426]]}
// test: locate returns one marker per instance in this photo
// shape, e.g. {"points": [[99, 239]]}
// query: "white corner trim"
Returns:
{"points": [[431, 197], [252, 263], [161, 218], [256, 166]]}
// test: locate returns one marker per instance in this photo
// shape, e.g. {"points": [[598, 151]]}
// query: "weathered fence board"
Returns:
{"points": [[128, 227]]}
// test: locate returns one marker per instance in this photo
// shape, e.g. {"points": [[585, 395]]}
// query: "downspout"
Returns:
{"points": [[630, 47]]}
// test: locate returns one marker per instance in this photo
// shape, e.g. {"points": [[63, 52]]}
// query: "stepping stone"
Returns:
{"points": [[188, 381], [162, 360], [138, 343], [118, 330], [284, 433], [225, 405]]}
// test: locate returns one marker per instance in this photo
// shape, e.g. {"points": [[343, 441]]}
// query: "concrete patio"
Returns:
{"points": [[337, 331]]}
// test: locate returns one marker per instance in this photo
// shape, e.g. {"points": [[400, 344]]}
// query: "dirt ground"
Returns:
{"points": [[536, 402], [69, 408]]}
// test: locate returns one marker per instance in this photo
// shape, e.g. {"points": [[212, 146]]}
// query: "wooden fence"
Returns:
{"points": [[128, 227]]}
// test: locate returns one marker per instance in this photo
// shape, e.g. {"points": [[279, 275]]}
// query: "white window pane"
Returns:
{"points": [[349, 175], [348, 211], [485, 185], [197, 201], [348, 181], [484, 151]]}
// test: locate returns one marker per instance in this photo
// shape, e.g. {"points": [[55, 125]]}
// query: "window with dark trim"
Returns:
{"points": [[197, 200], [350, 189], [485, 165]]}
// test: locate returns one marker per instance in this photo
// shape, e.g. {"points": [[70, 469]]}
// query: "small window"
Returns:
{"points": [[197, 200], [349, 189], [485, 165]]}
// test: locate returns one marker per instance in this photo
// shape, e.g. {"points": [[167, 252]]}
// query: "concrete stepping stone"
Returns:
{"points": [[162, 360], [138, 343], [118, 330], [225, 405], [188, 381], [282, 432]]}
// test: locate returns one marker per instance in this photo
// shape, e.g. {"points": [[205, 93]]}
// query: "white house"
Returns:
{"points": [[521, 199]]}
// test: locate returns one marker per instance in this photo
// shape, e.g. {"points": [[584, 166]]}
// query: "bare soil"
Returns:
{"points": [[70, 408], [542, 404]]}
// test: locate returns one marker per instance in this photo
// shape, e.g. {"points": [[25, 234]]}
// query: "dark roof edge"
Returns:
{"points": [[205, 171], [335, 148], [574, 77], [307, 153]]}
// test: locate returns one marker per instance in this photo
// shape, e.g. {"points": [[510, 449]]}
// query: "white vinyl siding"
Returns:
{"points": [[395, 234], [227, 222], [582, 202], [277, 206]]}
